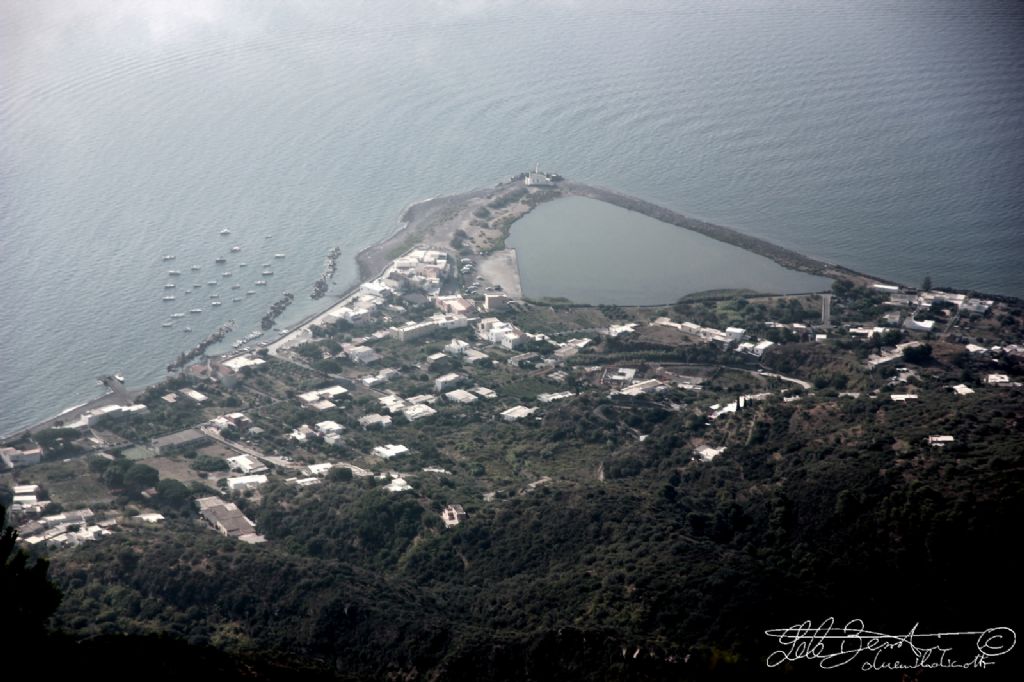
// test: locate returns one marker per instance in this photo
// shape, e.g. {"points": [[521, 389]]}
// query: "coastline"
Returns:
{"points": [[435, 222]]}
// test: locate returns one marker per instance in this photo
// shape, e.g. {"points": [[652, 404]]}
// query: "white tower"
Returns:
{"points": [[826, 309]]}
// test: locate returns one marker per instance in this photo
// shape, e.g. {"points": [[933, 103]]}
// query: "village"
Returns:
{"points": [[432, 381]]}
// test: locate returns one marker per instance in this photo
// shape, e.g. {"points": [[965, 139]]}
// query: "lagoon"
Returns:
{"points": [[590, 251]]}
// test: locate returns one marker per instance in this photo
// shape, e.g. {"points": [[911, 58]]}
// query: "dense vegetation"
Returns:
{"points": [[667, 569]]}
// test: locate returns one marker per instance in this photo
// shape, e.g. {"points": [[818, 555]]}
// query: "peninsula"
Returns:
{"points": [[438, 478]]}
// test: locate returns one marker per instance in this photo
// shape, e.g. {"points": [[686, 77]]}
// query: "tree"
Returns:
{"points": [[27, 595], [926, 285], [918, 355], [174, 494], [140, 476]]}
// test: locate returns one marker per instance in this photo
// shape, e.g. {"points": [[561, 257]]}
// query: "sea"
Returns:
{"points": [[883, 135]]}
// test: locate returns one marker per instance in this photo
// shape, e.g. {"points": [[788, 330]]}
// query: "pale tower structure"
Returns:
{"points": [[826, 310]]}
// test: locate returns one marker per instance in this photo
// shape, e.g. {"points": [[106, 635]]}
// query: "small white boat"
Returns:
{"points": [[236, 286], [119, 377], [212, 283], [215, 303], [194, 268], [221, 260], [196, 311], [177, 314], [236, 249], [243, 265], [214, 295], [250, 292], [261, 282], [173, 273], [170, 285], [187, 329], [278, 255], [236, 300], [225, 274], [168, 298], [167, 324], [168, 257], [268, 271], [225, 231]]}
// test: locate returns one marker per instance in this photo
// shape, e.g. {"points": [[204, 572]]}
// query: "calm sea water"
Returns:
{"points": [[886, 136], [592, 252]]}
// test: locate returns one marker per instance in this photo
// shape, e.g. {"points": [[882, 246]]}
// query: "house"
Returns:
{"points": [[414, 412], [397, 485], [998, 379], [939, 441], [456, 347], [622, 375], [485, 393], [363, 355], [551, 397], [301, 434], [618, 329], [237, 364], [375, 420], [320, 399], [460, 396], [918, 325], [708, 453], [392, 403], [180, 440], [386, 374], [414, 330], [518, 412], [13, 457], [453, 515], [319, 469], [246, 482], [495, 302], [976, 306], [505, 334], [518, 360], [903, 397], [455, 305], [246, 464], [963, 389], [446, 381], [642, 387], [472, 355], [193, 394], [389, 451], [228, 519], [892, 319], [537, 179], [755, 349], [329, 427]]}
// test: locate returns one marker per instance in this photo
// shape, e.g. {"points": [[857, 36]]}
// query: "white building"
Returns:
{"points": [[518, 412], [244, 482], [460, 396], [390, 450], [329, 427], [453, 515], [708, 453], [246, 464], [446, 381], [414, 412], [375, 420]]}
